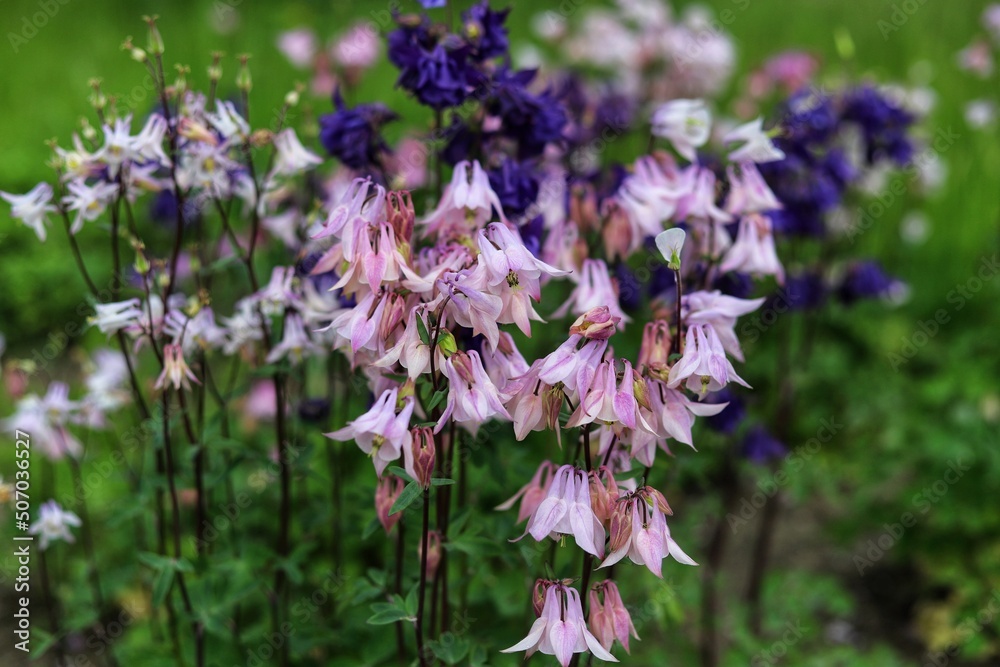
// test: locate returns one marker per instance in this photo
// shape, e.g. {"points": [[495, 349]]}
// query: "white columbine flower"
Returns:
{"points": [[228, 121], [32, 208], [757, 146], [685, 123], [88, 201], [113, 317], [53, 524], [292, 157]]}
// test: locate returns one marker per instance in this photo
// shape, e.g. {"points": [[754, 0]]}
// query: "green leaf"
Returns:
{"points": [[370, 529], [422, 331], [162, 586], [387, 616], [441, 481], [399, 472], [412, 602], [436, 399], [450, 649], [406, 498]]}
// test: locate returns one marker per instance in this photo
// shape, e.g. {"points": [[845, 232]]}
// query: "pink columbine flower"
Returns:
{"points": [[32, 208], [381, 432], [703, 366], [471, 305], [699, 203], [505, 362], [609, 618], [47, 418], [53, 524], [748, 192], [468, 201], [609, 400], [573, 363], [175, 369], [534, 405], [532, 493], [354, 204], [639, 530], [685, 123], [295, 343], [358, 48], [721, 312], [753, 251], [594, 289], [473, 399], [566, 510], [757, 146], [298, 45], [560, 629]]}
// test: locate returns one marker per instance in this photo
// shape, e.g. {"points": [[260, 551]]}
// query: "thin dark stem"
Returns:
{"points": [[284, 464], [421, 656], [678, 342], [708, 642], [199, 637], [77, 256], [400, 558]]}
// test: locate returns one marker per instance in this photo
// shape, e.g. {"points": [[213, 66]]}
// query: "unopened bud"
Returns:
{"points": [[433, 552], [386, 494], [243, 80], [447, 344], [597, 323], [292, 98], [420, 457], [654, 352], [155, 45], [392, 315], [399, 206], [261, 138]]}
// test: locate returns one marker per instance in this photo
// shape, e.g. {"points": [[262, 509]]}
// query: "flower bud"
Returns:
{"points": [[243, 80], [447, 344], [399, 206], [386, 493], [616, 231], [654, 351], [155, 45], [538, 595], [420, 456], [292, 98], [596, 324], [583, 206], [433, 552], [621, 524], [215, 69], [392, 315]]}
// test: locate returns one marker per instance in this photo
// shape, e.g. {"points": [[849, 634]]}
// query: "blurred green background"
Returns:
{"points": [[903, 426]]}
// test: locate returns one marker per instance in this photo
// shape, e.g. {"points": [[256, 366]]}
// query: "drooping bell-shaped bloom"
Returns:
{"points": [[473, 399], [654, 352], [594, 289], [687, 124], [609, 618], [295, 343], [505, 362], [597, 323], [291, 157], [573, 363], [532, 493], [32, 208], [354, 204], [467, 203], [534, 405], [721, 312], [608, 400], [757, 146], [566, 510], [471, 305], [53, 524], [699, 203], [753, 251], [113, 317], [639, 530], [704, 366], [381, 432], [748, 192], [46, 419], [175, 372], [89, 201], [560, 629]]}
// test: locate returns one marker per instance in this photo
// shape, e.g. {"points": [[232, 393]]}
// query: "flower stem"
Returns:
{"points": [[421, 656]]}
